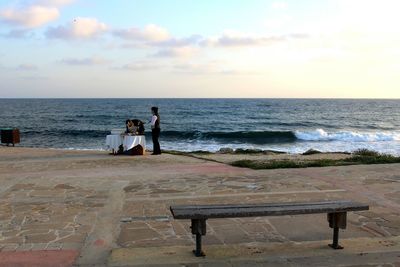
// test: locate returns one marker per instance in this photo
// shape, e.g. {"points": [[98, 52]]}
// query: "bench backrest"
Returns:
{"points": [[267, 209]]}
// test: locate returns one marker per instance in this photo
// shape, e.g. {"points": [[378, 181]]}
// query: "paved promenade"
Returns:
{"points": [[68, 208]]}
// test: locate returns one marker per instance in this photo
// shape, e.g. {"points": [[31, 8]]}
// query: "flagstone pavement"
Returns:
{"points": [[70, 208]]}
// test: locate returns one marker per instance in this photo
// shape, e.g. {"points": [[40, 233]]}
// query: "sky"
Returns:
{"points": [[205, 49]]}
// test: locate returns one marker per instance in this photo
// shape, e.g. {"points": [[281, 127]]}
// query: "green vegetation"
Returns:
{"points": [[366, 152], [182, 153], [283, 164], [362, 156], [359, 157], [256, 151], [248, 151], [311, 152]]}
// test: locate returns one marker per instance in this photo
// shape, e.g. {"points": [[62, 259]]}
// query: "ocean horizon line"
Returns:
{"points": [[201, 98]]}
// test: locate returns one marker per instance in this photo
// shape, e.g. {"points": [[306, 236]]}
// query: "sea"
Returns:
{"points": [[289, 125]]}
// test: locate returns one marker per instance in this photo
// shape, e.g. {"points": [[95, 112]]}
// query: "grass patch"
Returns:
{"points": [[248, 151], [379, 159], [311, 152], [283, 164], [358, 158], [366, 153], [242, 151], [202, 152], [184, 153]]}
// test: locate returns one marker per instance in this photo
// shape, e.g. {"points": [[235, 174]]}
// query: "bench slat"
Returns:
{"points": [[268, 209], [185, 207]]}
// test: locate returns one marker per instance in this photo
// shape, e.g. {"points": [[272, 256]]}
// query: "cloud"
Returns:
{"points": [[186, 51], [156, 36], [191, 68], [210, 68], [55, 3], [34, 78], [248, 41], [239, 72], [33, 14], [233, 39], [18, 34], [29, 17], [140, 66], [27, 67], [92, 61], [180, 42], [298, 36], [133, 46], [150, 33], [79, 28], [167, 45]]}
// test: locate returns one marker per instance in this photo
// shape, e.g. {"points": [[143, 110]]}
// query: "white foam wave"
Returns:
{"points": [[348, 136]]}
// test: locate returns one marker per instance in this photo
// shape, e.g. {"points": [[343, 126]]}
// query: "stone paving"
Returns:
{"points": [[64, 208]]}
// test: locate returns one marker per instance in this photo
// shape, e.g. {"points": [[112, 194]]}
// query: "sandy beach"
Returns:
{"points": [[87, 208]]}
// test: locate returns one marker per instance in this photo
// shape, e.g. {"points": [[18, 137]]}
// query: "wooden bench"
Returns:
{"points": [[336, 212]]}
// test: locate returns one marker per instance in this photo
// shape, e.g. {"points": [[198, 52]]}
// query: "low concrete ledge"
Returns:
{"points": [[358, 251]]}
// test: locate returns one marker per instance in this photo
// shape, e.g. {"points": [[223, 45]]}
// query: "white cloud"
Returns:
{"points": [[79, 28], [133, 46], [192, 68], [140, 66], [55, 3], [212, 67], [185, 51], [34, 78], [237, 39], [29, 17], [32, 14], [27, 67], [169, 46], [180, 42], [150, 33], [91, 61], [19, 34]]}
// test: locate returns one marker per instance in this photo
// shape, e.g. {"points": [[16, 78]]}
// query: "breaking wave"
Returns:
{"points": [[250, 137], [348, 136]]}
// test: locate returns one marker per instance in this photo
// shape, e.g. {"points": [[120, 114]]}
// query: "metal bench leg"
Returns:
{"points": [[198, 251], [335, 242], [336, 221], [198, 229]]}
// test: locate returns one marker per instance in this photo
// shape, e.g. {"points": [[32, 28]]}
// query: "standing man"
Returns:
{"points": [[155, 130]]}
